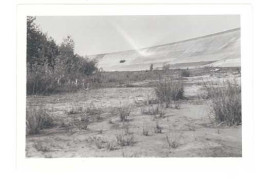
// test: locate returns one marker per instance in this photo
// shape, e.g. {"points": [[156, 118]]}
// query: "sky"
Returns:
{"points": [[105, 34]]}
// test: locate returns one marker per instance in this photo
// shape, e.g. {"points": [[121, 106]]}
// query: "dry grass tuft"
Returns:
{"points": [[168, 90], [225, 102], [124, 113], [38, 119]]}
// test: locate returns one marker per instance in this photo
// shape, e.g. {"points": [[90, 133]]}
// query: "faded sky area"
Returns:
{"points": [[105, 34]]}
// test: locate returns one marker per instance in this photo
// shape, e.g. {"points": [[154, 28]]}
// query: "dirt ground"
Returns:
{"points": [[185, 129]]}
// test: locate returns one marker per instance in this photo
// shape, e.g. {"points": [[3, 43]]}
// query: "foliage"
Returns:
{"points": [[38, 119], [225, 102], [167, 90], [53, 68], [185, 73]]}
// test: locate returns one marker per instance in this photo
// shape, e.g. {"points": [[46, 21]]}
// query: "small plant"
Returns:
{"points": [[110, 121], [153, 110], [185, 73], [111, 146], [172, 143], [74, 110], [98, 141], [41, 148], [167, 90], [145, 131], [158, 128], [84, 121], [125, 140], [124, 112], [38, 119], [176, 105]]}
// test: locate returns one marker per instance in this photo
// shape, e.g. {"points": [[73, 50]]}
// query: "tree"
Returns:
{"points": [[151, 67], [41, 50]]}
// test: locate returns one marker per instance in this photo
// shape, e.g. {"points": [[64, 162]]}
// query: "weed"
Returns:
{"points": [[124, 112], [40, 147], [158, 128], [225, 102], [125, 139], [153, 110], [167, 90], [145, 131], [37, 119], [185, 73], [171, 142]]}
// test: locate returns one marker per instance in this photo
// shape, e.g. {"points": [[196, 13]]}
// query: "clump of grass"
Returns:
{"points": [[74, 110], [99, 142], [40, 147], [125, 140], [172, 142], [168, 90], [158, 128], [111, 146], [84, 121], [153, 110], [124, 113], [145, 131], [225, 102], [38, 119]]}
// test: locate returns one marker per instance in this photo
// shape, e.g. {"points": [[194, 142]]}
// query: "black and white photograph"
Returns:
{"points": [[133, 86]]}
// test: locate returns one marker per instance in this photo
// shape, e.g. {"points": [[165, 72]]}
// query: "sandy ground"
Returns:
{"points": [[187, 131]]}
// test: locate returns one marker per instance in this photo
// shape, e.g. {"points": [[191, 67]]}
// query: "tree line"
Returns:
{"points": [[53, 67]]}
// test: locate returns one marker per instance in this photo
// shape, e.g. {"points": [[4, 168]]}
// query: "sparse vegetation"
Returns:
{"points": [[171, 142], [158, 128], [225, 102], [153, 110], [167, 90], [185, 73], [124, 113], [41, 148], [125, 139], [145, 131], [38, 119]]}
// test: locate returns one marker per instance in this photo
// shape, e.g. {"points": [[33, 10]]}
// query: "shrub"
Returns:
{"points": [[40, 147], [225, 102], [145, 131], [37, 119], [185, 73], [157, 111], [124, 112], [125, 140], [39, 83], [158, 128], [173, 143], [99, 142], [168, 90]]}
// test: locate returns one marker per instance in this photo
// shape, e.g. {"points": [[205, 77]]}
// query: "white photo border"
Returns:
{"points": [[138, 164]]}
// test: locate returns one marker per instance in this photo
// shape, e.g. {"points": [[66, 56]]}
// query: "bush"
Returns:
{"points": [[168, 90], [225, 102], [145, 131], [124, 112], [125, 139], [158, 128], [36, 120], [38, 83], [185, 73]]}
